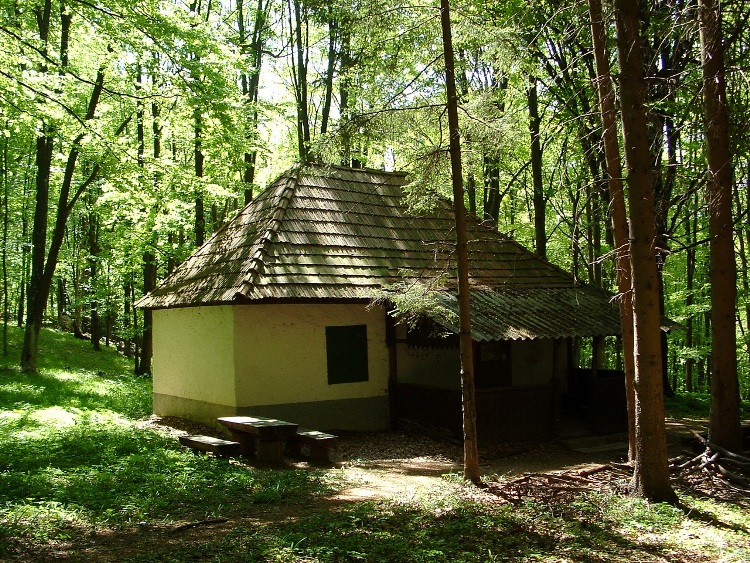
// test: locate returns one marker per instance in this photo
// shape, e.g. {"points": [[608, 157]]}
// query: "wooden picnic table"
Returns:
{"points": [[261, 437]]}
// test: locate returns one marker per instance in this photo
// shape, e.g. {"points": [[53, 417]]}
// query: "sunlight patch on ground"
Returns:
{"points": [[413, 483], [56, 416], [21, 389]]}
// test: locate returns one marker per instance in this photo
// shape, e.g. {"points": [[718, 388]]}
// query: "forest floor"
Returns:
{"points": [[88, 475], [400, 463]]}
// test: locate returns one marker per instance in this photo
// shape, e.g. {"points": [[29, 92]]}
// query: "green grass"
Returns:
{"points": [[82, 478], [696, 406]]}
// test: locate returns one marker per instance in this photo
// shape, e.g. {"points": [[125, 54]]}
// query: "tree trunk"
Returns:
{"points": [[690, 234], [200, 217], [651, 472], [149, 283], [250, 83], [491, 190], [743, 236], [724, 423], [540, 202], [44, 262], [299, 75], [617, 207], [471, 451], [333, 33], [96, 331], [6, 308], [36, 297]]}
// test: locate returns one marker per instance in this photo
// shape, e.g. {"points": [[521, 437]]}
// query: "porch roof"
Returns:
{"points": [[541, 313]]}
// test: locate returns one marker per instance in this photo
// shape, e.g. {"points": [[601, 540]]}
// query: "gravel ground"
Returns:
{"points": [[417, 446]]}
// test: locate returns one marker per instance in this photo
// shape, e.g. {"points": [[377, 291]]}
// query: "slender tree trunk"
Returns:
{"points": [[6, 308], [344, 95], [617, 207], [333, 33], [200, 216], [471, 191], [491, 190], [651, 473], [128, 341], [471, 451], [744, 246], [690, 227], [299, 75], [724, 423], [540, 202], [149, 283], [250, 83], [96, 332]]}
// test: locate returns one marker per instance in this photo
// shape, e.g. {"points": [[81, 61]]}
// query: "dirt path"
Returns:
{"points": [[402, 465]]}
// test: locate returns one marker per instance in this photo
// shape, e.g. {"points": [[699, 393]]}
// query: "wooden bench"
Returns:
{"points": [[319, 444], [223, 448]]}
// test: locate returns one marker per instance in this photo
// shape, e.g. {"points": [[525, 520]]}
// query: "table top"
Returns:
{"points": [[258, 424]]}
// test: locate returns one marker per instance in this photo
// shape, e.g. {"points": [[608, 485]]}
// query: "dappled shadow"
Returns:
{"points": [[334, 529], [127, 395]]}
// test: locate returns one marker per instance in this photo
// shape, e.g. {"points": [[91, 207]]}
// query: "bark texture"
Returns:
{"points": [[724, 423], [651, 474], [471, 450], [618, 210]]}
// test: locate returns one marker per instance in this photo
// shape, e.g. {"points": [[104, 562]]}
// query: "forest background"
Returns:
{"points": [[129, 131]]}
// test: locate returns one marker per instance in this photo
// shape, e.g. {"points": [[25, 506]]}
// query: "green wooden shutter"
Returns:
{"points": [[346, 348]]}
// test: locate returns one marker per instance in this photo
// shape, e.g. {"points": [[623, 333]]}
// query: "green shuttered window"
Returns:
{"points": [[346, 348]]}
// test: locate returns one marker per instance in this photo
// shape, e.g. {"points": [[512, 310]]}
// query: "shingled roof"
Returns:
{"points": [[326, 232]]}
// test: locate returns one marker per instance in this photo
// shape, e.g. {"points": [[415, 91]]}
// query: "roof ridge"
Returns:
{"points": [[362, 169], [256, 266]]}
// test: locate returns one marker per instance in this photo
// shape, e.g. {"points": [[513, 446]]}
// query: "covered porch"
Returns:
{"points": [[528, 386]]}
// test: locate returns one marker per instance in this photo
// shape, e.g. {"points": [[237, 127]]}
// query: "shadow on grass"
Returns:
{"points": [[80, 481], [331, 530]]}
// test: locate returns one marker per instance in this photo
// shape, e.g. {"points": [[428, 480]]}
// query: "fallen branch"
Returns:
{"points": [[208, 521]]}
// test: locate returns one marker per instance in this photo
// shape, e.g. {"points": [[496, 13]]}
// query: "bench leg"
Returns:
{"points": [[319, 454], [294, 448], [247, 442]]}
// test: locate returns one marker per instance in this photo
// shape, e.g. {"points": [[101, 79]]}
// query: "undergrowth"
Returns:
{"points": [[84, 478]]}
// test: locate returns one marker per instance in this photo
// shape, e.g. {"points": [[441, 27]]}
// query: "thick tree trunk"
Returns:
{"points": [[36, 297], [471, 450], [724, 423], [43, 261], [651, 474], [617, 207]]}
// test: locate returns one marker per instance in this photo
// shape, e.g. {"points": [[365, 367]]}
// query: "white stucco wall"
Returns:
{"points": [[280, 353], [193, 354]]}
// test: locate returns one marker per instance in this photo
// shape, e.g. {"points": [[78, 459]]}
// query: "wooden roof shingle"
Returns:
{"points": [[326, 232]]}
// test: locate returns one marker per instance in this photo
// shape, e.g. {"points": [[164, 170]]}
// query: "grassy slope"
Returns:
{"points": [[81, 479]]}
